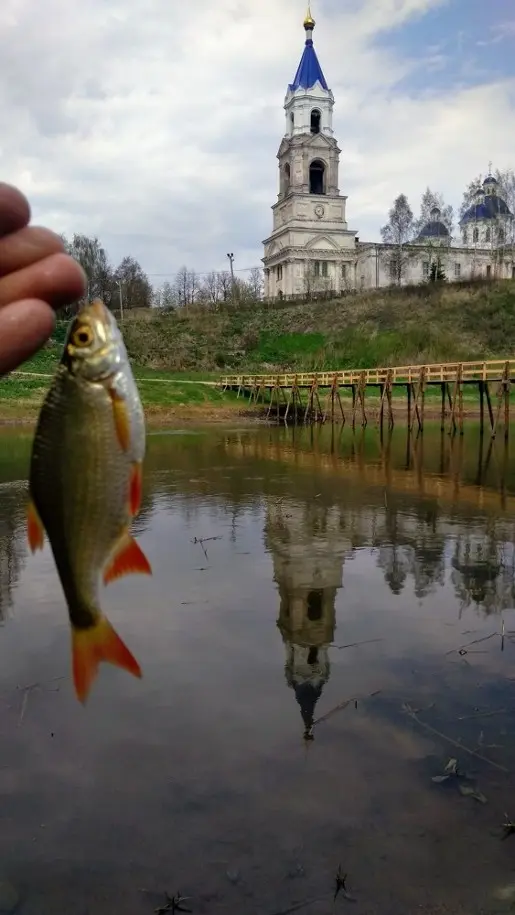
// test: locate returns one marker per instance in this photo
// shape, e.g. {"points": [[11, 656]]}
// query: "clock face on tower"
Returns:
{"points": [[319, 210]]}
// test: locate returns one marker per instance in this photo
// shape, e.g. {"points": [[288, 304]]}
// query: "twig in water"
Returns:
{"points": [[23, 706], [468, 644], [301, 905], [460, 746], [498, 711], [355, 644], [203, 540], [343, 705]]}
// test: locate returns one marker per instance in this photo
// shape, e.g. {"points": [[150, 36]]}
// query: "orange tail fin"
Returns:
{"points": [[90, 647]]}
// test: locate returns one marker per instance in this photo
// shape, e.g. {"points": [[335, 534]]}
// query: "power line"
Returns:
{"points": [[208, 272]]}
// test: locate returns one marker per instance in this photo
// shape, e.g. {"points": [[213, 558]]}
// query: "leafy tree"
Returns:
{"points": [[437, 272], [397, 235]]}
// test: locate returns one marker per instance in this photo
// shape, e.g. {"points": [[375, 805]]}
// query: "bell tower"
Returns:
{"points": [[310, 242]]}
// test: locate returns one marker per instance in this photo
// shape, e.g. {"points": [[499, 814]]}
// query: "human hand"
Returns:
{"points": [[36, 277]]}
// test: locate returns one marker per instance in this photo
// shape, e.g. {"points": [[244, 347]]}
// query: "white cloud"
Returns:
{"points": [[155, 123]]}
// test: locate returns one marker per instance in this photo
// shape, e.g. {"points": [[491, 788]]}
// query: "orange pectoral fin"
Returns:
{"points": [[35, 532], [90, 647], [136, 486], [129, 558], [121, 419]]}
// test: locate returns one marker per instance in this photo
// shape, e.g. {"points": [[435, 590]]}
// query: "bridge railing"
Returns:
{"points": [[486, 370]]}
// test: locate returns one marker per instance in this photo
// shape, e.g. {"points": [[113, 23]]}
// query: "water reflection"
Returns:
{"points": [[308, 554], [293, 570], [12, 542]]}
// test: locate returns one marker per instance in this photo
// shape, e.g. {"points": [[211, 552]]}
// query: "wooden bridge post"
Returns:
{"points": [[507, 402], [313, 404], [334, 394], [419, 399], [361, 396], [481, 389], [457, 387], [443, 389], [503, 394], [389, 388]]}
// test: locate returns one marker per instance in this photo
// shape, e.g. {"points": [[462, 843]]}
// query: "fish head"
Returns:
{"points": [[94, 348]]}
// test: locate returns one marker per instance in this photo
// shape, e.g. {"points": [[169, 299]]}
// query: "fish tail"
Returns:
{"points": [[98, 643]]}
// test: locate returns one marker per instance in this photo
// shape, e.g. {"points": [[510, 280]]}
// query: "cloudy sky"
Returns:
{"points": [[154, 124]]}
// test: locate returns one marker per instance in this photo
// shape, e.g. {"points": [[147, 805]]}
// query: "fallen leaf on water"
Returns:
{"points": [[468, 791]]}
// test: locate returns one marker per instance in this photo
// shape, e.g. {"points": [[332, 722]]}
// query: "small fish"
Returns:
{"points": [[85, 483]]}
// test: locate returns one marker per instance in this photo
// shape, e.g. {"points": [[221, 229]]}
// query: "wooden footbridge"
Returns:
{"points": [[321, 396]]}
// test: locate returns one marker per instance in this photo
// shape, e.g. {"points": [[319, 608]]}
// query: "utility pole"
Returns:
{"points": [[231, 262], [119, 284]]}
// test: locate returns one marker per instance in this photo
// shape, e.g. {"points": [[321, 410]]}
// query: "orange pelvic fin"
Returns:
{"points": [[136, 487], [121, 419], [90, 647], [35, 531], [129, 558]]}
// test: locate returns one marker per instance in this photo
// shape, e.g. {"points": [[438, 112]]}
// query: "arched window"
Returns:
{"points": [[316, 117], [500, 235], [488, 235], [315, 605], [287, 175], [292, 121], [465, 237], [475, 235], [317, 177]]}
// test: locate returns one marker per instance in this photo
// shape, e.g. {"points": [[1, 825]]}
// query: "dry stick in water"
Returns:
{"points": [[475, 642], [343, 705], [460, 746], [356, 644]]}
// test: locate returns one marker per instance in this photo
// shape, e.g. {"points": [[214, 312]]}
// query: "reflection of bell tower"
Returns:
{"points": [[308, 550]]}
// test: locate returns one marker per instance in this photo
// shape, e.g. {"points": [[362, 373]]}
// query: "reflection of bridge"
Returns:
{"points": [[285, 390], [412, 479]]}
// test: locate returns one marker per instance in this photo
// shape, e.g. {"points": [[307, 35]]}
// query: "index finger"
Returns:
{"points": [[14, 209]]}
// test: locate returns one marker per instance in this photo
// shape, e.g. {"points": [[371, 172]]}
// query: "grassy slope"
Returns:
{"points": [[385, 328], [389, 327]]}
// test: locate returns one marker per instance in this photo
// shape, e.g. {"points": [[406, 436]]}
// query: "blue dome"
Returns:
{"points": [[490, 180], [491, 207], [435, 229], [309, 70]]}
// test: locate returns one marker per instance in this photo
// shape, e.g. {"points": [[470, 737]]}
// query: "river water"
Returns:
{"points": [[330, 622]]}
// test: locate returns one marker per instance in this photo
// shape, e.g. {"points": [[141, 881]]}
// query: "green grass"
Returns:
{"points": [[389, 327], [158, 388], [383, 328]]}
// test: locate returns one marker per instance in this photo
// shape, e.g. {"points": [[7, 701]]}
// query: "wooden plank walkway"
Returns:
{"points": [[284, 391]]}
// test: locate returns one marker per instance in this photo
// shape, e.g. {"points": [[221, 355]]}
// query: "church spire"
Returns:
{"points": [[309, 22], [309, 70]]}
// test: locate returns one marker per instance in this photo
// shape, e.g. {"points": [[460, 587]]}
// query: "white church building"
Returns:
{"points": [[312, 249]]}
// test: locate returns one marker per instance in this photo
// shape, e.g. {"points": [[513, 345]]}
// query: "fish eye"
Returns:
{"points": [[83, 336]]}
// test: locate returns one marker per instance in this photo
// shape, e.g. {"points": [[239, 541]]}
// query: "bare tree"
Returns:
{"points": [[181, 287], [225, 285], [255, 282], [397, 235], [164, 297], [430, 201], [137, 291], [93, 259], [211, 289]]}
